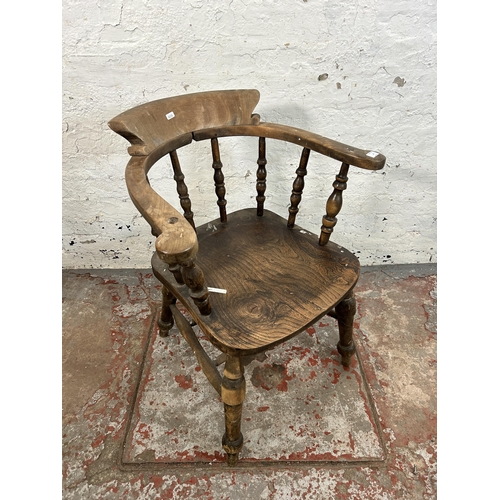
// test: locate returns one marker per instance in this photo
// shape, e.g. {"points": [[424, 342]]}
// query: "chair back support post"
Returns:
{"points": [[261, 176], [298, 187], [334, 204], [220, 188], [182, 189]]}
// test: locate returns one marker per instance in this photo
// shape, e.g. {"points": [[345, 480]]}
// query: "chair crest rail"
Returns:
{"points": [[151, 124]]}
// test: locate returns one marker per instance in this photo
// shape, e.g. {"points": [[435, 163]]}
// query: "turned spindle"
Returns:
{"points": [[193, 277], [220, 189], [345, 311], [175, 269], [182, 189], [334, 204], [261, 176], [233, 395], [166, 320], [298, 187]]}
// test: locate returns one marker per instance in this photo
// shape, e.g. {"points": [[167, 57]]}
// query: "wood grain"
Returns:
{"points": [[151, 124], [329, 147], [279, 280], [176, 241]]}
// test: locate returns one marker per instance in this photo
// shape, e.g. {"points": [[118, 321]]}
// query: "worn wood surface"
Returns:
{"points": [[153, 123], [363, 158], [345, 311], [278, 280], [194, 279], [176, 241], [233, 395], [160, 127]]}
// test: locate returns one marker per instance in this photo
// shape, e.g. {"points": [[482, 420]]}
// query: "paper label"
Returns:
{"points": [[170, 115]]}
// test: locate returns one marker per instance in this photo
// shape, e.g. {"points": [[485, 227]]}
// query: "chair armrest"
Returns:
{"points": [[370, 160], [176, 240]]}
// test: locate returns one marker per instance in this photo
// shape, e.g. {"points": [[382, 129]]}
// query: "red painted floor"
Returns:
{"points": [[140, 420]]}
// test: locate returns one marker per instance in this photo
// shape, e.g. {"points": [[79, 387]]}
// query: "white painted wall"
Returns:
{"points": [[380, 93]]}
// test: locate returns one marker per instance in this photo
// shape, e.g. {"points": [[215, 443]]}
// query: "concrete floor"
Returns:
{"points": [[141, 422]]}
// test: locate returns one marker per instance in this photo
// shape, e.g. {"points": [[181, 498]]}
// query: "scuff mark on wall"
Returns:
{"points": [[400, 82]]}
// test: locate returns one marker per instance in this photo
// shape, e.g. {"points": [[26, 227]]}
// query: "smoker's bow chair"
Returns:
{"points": [[278, 279]]}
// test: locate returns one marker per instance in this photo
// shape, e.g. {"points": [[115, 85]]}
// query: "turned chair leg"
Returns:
{"points": [[344, 312], [233, 394], [166, 321]]}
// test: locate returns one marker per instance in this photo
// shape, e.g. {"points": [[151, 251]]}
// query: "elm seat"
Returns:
{"points": [[255, 314], [249, 279]]}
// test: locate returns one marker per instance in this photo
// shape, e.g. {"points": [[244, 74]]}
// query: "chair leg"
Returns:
{"points": [[345, 311], [233, 395], [166, 321]]}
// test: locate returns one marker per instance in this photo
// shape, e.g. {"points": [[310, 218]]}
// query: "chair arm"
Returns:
{"points": [[176, 240], [370, 160]]}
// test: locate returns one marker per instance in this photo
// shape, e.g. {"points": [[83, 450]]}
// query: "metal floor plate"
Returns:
{"points": [[301, 405]]}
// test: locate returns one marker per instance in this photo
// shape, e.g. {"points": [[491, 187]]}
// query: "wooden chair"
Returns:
{"points": [[277, 279]]}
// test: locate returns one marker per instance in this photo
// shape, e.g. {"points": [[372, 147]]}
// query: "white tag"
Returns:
{"points": [[216, 290], [170, 115], [372, 154]]}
